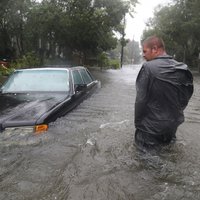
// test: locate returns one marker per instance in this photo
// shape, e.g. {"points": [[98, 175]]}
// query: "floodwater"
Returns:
{"points": [[90, 154]]}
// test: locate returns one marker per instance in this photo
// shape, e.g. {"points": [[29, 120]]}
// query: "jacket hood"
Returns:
{"points": [[167, 69], [173, 63]]}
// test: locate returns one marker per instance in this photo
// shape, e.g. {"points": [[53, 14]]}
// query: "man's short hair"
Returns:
{"points": [[154, 41]]}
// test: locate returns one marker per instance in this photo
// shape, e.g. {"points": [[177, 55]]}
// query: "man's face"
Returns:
{"points": [[149, 53]]}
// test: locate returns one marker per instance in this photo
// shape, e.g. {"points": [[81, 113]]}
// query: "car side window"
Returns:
{"points": [[86, 77], [77, 77]]}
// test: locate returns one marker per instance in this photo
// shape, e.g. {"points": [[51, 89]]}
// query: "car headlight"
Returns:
{"points": [[18, 130], [24, 130]]}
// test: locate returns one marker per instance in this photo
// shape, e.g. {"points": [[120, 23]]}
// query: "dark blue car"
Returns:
{"points": [[32, 98]]}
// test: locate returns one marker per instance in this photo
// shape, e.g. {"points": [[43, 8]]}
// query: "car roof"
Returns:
{"points": [[51, 68], [64, 66], [77, 67]]}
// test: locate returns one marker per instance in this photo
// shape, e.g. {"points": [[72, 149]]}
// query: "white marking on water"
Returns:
{"points": [[113, 123]]}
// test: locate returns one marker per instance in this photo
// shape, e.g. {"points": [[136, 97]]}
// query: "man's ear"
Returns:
{"points": [[154, 48]]}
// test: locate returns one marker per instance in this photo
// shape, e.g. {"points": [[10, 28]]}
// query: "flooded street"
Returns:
{"points": [[90, 154]]}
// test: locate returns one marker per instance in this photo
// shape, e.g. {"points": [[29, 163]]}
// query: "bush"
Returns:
{"points": [[27, 61], [5, 71], [114, 63], [103, 60]]}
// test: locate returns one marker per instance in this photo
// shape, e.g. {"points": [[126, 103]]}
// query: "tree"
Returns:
{"points": [[13, 16], [133, 53], [178, 24], [130, 4], [61, 27]]}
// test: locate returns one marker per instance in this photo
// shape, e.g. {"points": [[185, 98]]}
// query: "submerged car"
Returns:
{"points": [[32, 98]]}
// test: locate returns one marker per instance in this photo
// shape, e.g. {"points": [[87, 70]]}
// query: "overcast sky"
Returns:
{"points": [[144, 10]]}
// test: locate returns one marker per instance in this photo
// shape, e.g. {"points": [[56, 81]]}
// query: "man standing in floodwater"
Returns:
{"points": [[164, 87]]}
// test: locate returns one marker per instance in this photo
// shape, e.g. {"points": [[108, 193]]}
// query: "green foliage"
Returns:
{"points": [[114, 63], [53, 28], [179, 25], [103, 61], [27, 61], [5, 71]]}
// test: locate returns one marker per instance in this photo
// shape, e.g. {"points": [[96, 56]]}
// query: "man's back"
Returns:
{"points": [[169, 90], [164, 87]]}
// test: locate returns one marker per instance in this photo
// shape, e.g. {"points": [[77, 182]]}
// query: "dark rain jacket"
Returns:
{"points": [[164, 87]]}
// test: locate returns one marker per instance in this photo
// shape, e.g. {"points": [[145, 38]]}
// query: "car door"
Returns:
{"points": [[87, 78], [79, 83]]}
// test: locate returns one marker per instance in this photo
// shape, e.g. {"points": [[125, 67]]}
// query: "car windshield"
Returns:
{"points": [[37, 81]]}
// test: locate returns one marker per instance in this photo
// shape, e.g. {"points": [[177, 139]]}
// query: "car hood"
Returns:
{"points": [[27, 107]]}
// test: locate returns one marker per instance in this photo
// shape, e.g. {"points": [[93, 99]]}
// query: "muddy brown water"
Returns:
{"points": [[90, 154]]}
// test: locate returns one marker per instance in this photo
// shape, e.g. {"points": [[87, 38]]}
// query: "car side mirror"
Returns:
{"points": [[80, 87]]}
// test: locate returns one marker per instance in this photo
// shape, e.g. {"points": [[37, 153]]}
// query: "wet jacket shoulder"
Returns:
{"points": [[164, 87]]}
